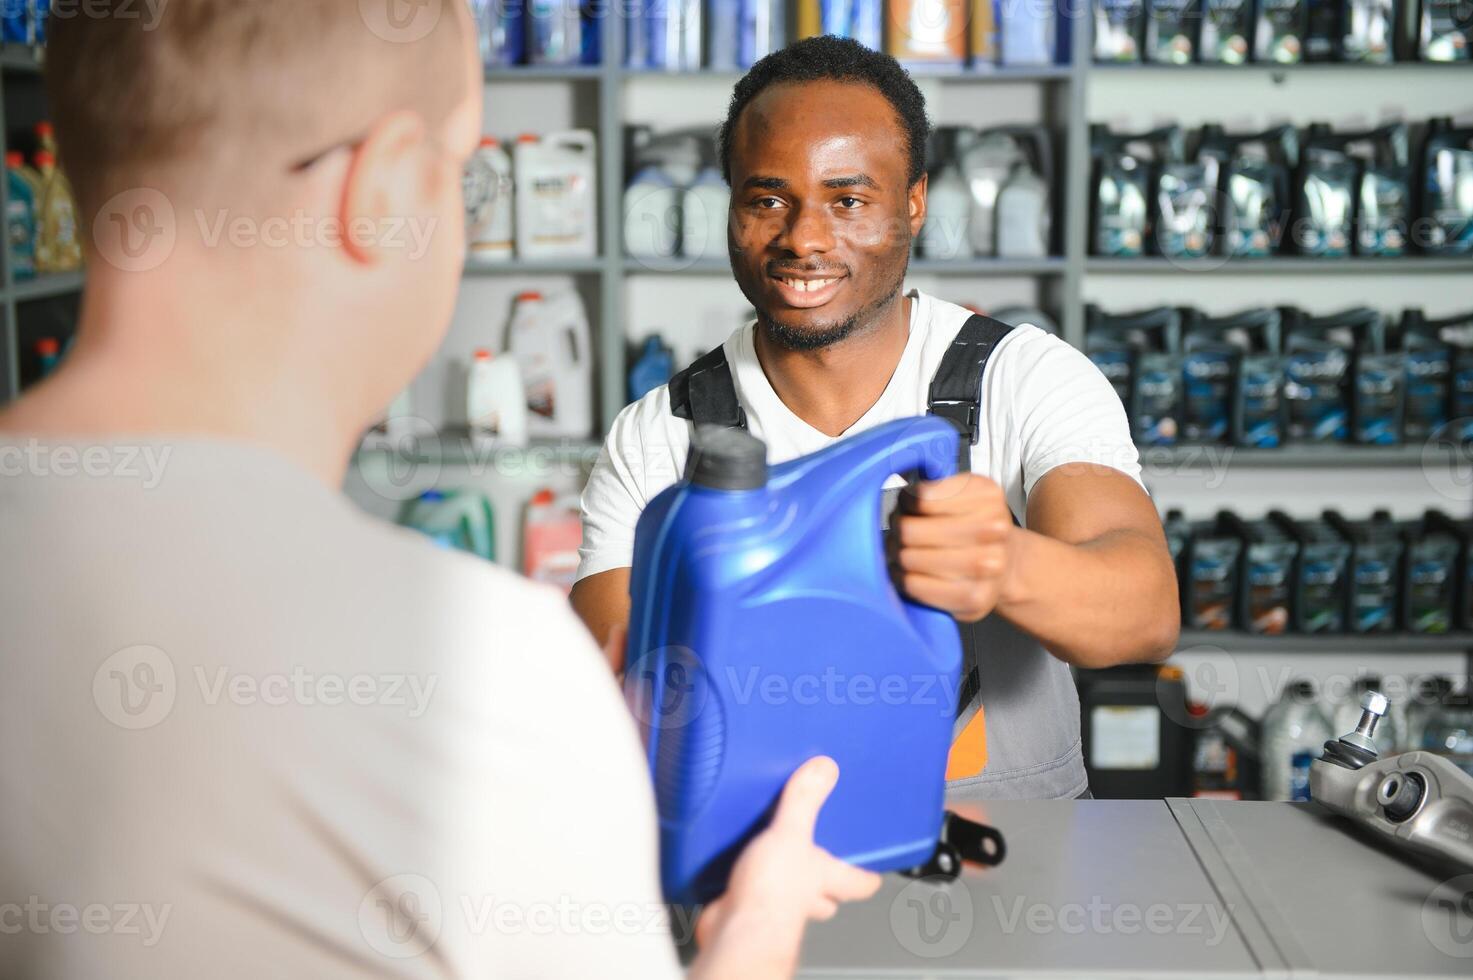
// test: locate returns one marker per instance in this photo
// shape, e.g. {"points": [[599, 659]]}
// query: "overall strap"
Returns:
{"points": [[956, 390], [705, 393]]}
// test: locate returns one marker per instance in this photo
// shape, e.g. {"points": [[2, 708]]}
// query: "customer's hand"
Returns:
{"points": [[782, 880], [950, 544]]}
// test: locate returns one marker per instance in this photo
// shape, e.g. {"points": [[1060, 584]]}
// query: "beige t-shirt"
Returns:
{"points": [[247, 731]]}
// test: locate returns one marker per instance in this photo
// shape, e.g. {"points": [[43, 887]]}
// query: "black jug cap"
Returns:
{"points": [[726, 459]]}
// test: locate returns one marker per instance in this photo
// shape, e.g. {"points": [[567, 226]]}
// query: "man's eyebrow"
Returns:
{"points": [[766, 183], [852, 180]]}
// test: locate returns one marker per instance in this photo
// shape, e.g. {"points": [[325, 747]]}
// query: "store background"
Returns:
{"points": [[695, 307]]}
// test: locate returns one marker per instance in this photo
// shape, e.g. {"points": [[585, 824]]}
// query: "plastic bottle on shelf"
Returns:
{"points": [[556, 195], [491, 227], [551, 536], [48, 353], [652, 215], [655, 366], [1294, 732], [1027, 34], [461, 520], [58, 248], [552, 342], [704, 216], [1426, 698], [46, 138], [555, 32], [20, 218], [948, 215], [496, 402]]}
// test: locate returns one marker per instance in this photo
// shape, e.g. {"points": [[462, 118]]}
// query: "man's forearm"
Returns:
{"points": [[1104, 602]]}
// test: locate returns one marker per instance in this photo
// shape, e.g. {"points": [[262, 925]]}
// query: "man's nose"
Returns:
{"points": [[807, 232]]}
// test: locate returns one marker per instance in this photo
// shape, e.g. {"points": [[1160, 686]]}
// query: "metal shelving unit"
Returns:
{"points": [[1301, 456], [1232, 641], [1285, 265], [1060, 279]]}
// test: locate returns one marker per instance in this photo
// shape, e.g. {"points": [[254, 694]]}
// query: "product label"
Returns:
{"points": [[1385, 214], [1157, 400], [1374, 597], [1322, 593], [1169, 31], [1426, 393], [1120, 213], [1450, 202], [1125, 737], [1209, 385], [1226, 27], [1260, 402], [1184, 212], [1378, 388], [1314, 391]]}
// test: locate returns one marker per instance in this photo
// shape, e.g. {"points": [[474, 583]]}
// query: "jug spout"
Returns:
{"points": [[726, 459]]}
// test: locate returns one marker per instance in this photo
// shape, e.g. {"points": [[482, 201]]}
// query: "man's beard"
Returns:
{"points": [[827, 334]]}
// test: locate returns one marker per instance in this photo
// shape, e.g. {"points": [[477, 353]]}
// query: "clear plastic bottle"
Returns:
{"points": [[1293, 727], [1449, 731], [1426, 698]]}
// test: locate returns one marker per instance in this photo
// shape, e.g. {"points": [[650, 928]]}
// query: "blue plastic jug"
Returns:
{"points": [[765, 630]]}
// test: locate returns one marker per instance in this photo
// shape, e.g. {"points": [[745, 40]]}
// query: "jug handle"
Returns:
{"points": [[930, 449]]}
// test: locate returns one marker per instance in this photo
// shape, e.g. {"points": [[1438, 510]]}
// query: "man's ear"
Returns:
{"points": [[385, 181], [918, 205]]}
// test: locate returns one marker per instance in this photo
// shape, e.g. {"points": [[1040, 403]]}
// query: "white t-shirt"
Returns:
{"points": [[249, 731], [1043, 404]]}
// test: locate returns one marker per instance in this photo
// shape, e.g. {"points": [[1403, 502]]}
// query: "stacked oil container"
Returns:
{"points": [[1329, 574], [1264, 378]]}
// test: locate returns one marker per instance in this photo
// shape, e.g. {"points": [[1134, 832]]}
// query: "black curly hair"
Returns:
{"points": [[829, 58]]}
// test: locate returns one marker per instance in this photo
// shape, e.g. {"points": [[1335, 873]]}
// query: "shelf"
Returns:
{"points": [[21, 58], [678, 266], [44, 287], [930, 267], [1362, 643], [1288, 265], [989, 267], [544, 73], [945, 73], [1187, 458], [535, 267], [1269, 68]]}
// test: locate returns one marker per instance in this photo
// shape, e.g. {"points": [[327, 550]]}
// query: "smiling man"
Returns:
{"points": [[1049, 545]]}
